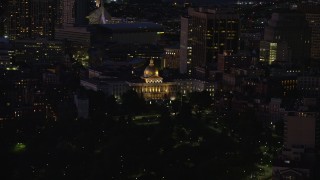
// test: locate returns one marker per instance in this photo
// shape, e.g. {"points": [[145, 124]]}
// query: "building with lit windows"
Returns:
{"points": [[312, 12], [109, 85], [185, 48], [71, 28], [187, 86], [5, 48], [171, 58], [282, 82], [153, 87], [226, 61], [30, 19], [78, 39], [210, 32], [290, 27], [298, 158], [150, 85], [38, 51], [309, 85], [17, 24], [275, 52]]}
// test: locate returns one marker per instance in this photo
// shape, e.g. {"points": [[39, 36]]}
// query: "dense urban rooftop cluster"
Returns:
{"points": [[138, 89]]}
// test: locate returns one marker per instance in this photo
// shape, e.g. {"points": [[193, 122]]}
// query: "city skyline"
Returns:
{"points": [[143, 89]]}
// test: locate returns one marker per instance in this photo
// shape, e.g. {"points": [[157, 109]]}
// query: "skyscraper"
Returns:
{"points": [[77, 12], [71, 27], [30, 19], [292, 28], [185, 49], [312, 12], [18, 21], [275, 52], [210, 32], [298, 157], [68, 12], [42, 18]]}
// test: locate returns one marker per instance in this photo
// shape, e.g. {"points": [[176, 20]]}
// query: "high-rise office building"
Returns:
{"points": [[312, 12], [38, 51], [275, 52], [74, 12], [71, 26], [291, 27], [171, 58], [228, 61], [17, 24], [5, 46], [68, 12], [300, 129], [185, 48], [42, 18], [301, 141], [210, 32], [30, 19]]}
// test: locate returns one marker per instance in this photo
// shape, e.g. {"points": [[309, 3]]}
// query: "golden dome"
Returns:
{"points": [[150, 70]]}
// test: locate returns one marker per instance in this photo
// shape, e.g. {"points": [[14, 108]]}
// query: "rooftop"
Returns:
{"points": [[129, 27]]}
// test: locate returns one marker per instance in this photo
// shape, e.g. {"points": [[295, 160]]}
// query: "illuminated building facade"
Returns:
{"points": [[42, 18], [275, 52], [30, 19], [211, 32], [18, 19], [150, 86], [154, 88]]}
